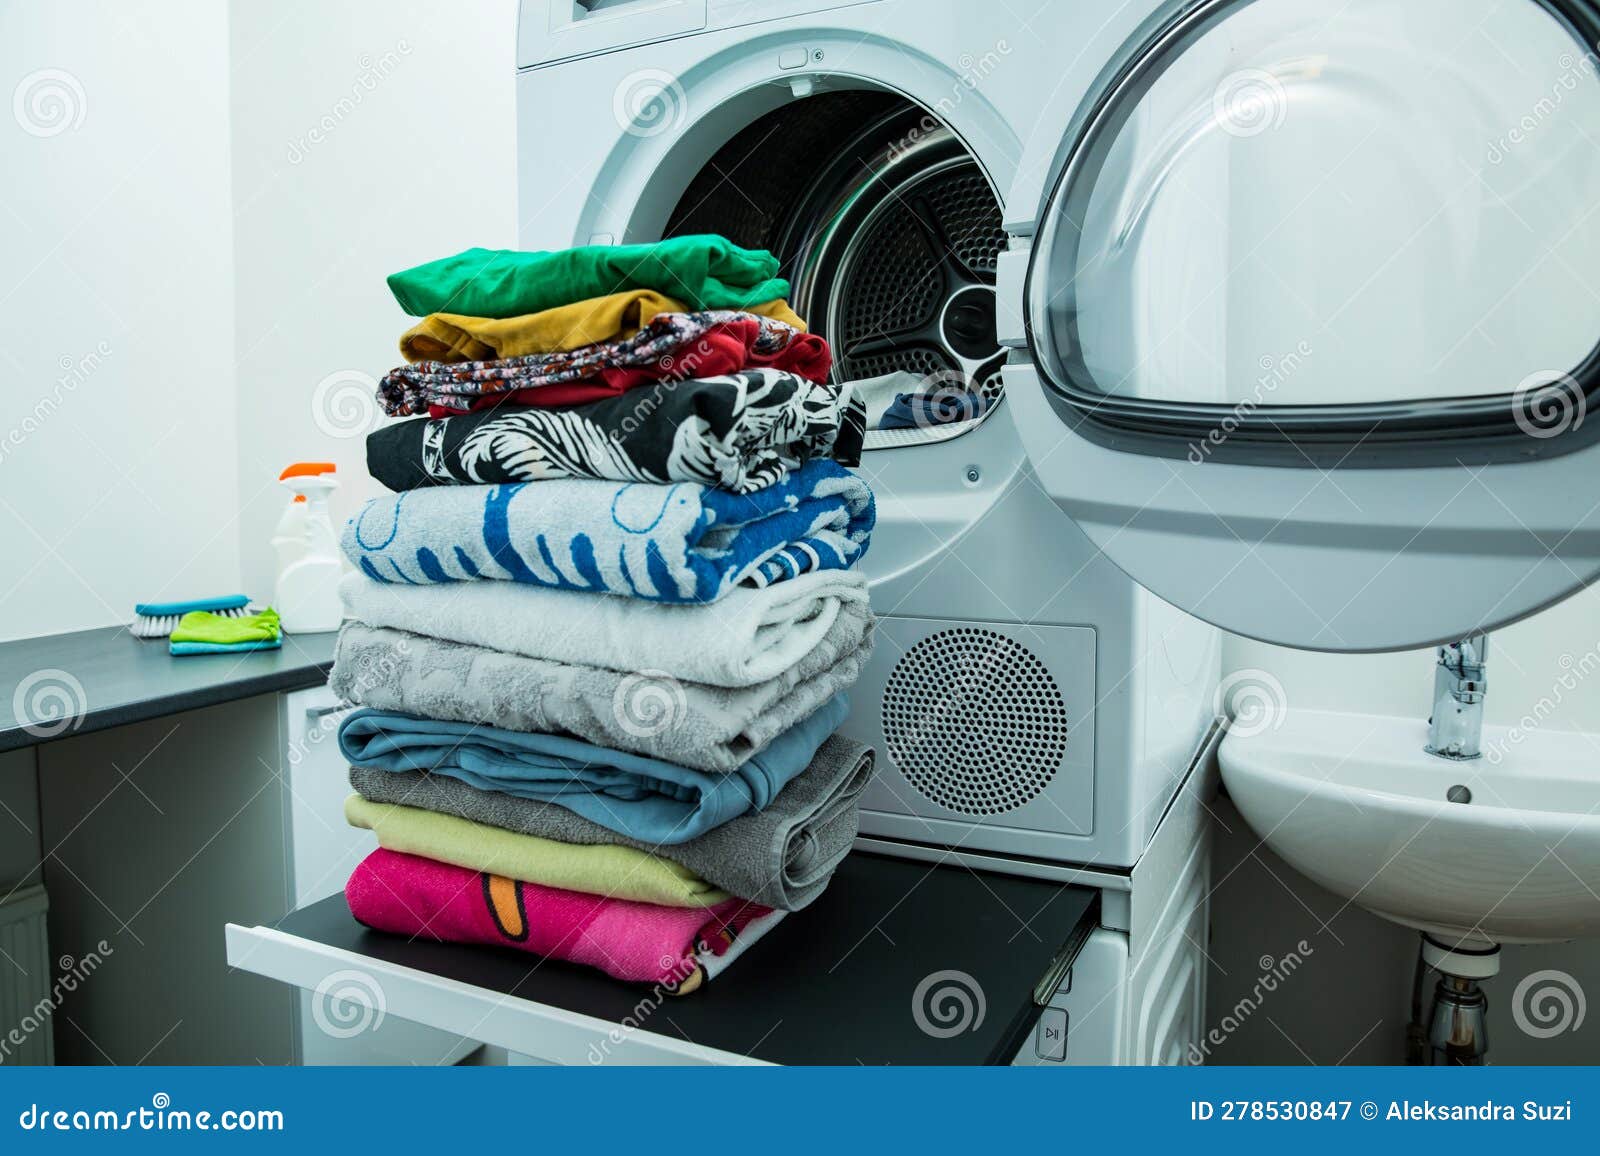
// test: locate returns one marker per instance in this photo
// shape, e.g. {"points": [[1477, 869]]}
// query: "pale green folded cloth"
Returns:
{"points": [[219, 630], [598, 869]]}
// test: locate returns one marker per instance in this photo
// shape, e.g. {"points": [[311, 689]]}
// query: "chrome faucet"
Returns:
{"points": [[1459, 684]]}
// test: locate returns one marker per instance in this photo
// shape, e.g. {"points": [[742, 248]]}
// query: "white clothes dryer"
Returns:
{"points": [[1026, 696]]}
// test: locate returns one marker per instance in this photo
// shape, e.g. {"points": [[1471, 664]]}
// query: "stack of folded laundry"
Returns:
{"points": [[602, 632]]}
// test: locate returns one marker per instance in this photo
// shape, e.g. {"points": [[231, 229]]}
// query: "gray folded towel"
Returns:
{"points": [[782, 856], [707, 728]]}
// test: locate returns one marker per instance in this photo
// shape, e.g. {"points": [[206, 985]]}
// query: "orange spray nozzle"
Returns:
{"points": [[308, 470]]}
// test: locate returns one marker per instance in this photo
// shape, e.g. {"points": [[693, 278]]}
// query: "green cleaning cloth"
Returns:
{"points": [[597, 869], [704, 272], [203, 626], [178, 649]]}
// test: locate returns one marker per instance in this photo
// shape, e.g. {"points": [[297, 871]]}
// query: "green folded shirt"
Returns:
{"points": [[219, 630], [704, 272], [596, 868]]}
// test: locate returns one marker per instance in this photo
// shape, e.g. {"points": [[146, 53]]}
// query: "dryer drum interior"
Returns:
{"points": [[886, 226]]}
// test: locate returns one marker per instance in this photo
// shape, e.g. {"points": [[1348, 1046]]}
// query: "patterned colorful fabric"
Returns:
{"points": [[683, 542], [672, 347], [743, 431], [678, 947], [704, 270], [455, 337]]}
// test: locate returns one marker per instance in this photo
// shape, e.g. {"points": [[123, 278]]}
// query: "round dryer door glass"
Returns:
{"points": [[1316, 295], [1300, 202]]}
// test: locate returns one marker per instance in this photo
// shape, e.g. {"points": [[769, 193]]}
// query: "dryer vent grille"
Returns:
{"points": [[974, 721]]}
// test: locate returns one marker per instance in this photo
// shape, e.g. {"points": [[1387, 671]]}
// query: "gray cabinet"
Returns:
{"points": [[153, 836]]}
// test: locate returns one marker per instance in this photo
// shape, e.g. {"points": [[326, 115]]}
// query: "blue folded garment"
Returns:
{"points": [[181, 648], [634, 795], [939, 407], [667, 543]]}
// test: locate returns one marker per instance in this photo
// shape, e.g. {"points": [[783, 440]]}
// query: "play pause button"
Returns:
{"points": [[1050, 1037]]}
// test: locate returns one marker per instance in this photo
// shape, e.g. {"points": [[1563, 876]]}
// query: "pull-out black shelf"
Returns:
{"points": [[834, 984]]}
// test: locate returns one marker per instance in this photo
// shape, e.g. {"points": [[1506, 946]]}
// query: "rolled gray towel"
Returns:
{"points": [[707, 728], [782, 856]]}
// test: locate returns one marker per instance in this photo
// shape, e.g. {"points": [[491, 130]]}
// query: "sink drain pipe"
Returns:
{"points": [[1456, 1032]]}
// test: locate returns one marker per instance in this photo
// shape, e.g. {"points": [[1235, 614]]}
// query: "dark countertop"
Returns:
{"points": [[110, 678], [836, 983]]}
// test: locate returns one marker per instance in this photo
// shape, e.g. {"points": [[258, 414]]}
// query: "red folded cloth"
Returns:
{"points": [[672, 347], [724, 348], [642, 942]]}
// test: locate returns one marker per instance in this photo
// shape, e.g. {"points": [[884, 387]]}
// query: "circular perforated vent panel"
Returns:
{"points": [[974, 721]]}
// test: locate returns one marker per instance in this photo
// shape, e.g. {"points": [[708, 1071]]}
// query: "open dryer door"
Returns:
{"points": [[1312, 314]]}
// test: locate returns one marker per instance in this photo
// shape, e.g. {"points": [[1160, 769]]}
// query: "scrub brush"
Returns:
{"points": [[159, 619]]}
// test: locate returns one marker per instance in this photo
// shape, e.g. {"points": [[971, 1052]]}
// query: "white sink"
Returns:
{"points": [[1356, 804]]}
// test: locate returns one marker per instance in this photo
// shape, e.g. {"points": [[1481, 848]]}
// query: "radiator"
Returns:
{"points": [[26, 1010]]}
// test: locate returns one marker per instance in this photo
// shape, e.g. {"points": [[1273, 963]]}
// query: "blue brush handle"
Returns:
{"points": [[158, 609]]}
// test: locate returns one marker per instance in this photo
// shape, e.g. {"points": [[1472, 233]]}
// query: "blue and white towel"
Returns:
{"points": [[667, 543]]}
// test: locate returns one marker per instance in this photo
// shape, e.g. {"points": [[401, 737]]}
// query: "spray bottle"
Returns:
{"points": [[306, 594]]}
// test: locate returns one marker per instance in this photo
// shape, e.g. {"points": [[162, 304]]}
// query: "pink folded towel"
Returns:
{"points": [[679, 947]]}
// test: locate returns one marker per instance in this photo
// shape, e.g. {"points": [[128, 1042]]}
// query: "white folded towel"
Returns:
{"points": [[749, 636]]}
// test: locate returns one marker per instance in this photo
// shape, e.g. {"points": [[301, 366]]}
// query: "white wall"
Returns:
{"points": [[208, 243], [117, 437], [368, 136], [1351, 1001], [192, 293]]}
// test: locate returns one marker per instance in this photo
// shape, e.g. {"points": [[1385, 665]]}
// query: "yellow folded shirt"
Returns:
{"points": [[454, 337], [599, 869]]}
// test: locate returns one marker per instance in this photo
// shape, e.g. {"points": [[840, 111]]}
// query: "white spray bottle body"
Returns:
{"points": [[306, 594]]}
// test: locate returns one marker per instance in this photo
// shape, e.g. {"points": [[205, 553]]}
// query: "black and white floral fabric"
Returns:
{"points": [[742, 431]]}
